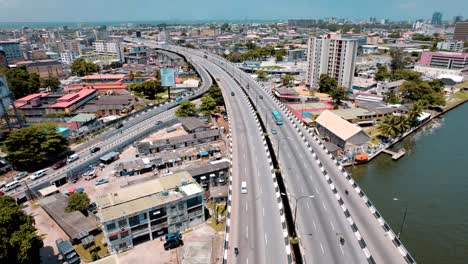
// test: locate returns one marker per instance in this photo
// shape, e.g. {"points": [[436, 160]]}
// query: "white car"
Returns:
{"points": [[244, 187], [38, 174]]}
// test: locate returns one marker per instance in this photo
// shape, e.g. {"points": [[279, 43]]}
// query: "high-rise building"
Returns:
{"points": [[457, 19], [331, 55], [461, 31], [436, 18], [12, 50]]}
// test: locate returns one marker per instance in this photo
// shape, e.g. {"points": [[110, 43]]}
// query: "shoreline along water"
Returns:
{"points": [[432, 179]]}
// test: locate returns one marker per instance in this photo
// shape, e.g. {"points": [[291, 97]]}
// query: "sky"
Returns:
{"points": [[189, 10]]}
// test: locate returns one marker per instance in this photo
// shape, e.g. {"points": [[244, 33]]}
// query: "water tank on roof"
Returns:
{"points": [[36, 102], [184, 182], [165, 192]]}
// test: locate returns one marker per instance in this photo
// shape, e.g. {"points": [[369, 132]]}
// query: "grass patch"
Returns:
{"points": [[221, 211], [460, 95], [461, 85], [272, 67], [86, 253]]}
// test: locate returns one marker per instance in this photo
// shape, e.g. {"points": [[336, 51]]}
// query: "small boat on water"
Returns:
{"points": [[361, 157]]}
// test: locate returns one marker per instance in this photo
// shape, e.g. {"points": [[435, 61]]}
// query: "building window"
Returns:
{"points": [[124, 235], [110, 227], [113, 238], [122, 223]]}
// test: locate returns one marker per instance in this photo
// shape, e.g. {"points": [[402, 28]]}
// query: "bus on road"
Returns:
{"points": [[277, 117]]}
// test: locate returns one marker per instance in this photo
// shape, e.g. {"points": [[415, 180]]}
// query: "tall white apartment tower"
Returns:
{"points": [[332, 55]]}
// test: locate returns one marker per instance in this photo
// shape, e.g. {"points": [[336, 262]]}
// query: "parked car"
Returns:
{"points": [[158, 122], [92, 206], [119, 125], [95, 149], [72, 158], [232, 93], [59, 164], [101, 181], [273, 131], [175, 235], [21, 175], [173, 244]]}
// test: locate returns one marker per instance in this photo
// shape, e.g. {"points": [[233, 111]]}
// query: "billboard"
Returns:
{"points": [[167, 77]]}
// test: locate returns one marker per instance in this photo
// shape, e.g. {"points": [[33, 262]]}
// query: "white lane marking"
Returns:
{"points": [[247, 232], [263, 211], [246, 261], [324, 206], [266, 239], [313, 221], [260, 189], [323, 251], [333, 227], [341, 247], [316, 190], [308, 205], [246, 207], [302, 188]]}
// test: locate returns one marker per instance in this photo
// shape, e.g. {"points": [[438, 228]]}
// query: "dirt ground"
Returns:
{"points": [[162, 134]]}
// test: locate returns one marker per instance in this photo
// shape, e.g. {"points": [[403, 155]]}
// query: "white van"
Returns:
{"points": [[38, 174], [11, 186], [72, 158], [244, 187]]}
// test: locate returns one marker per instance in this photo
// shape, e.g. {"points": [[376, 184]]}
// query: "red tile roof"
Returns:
{"points": [[96, 86], [24, 100], [70, 99], [103, 76]]}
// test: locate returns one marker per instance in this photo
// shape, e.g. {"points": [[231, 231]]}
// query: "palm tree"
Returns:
{"points": [[416, 111], [393, 126]]}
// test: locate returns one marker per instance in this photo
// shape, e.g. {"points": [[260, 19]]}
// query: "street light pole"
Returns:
{"points": [[296, 200], [404, 216]]}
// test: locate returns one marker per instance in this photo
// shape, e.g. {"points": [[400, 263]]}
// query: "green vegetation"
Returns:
{"points": [[256, 53], [216, 93], [50, 83], [186, 109], [81, 67], [261, 74], [19, 241], [397, 61], [391, 98], [91, 253], [220, 211], [399, 74], [287, 79], [148, 89], [208, 105], [430, 92], [393, 126], [272, 67], [338, 94], [460, 95], [20, 81], [34, 147], [326, 83], [77, 202]]}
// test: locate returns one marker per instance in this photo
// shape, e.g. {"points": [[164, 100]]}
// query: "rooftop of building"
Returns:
{"points": [[102, 76], [72, 223], [82, 118], [70, 99], [337, 125], [146, 195], [351, 113], [192, 123]]}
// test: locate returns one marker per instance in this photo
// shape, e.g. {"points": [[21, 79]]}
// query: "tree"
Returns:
{"points": [[393, 126], [19, 241], [261, 74], [21, 82], [286, 79], [131, 76], [216, 93], [149, 89], [405, 74], [430, 92], [50, 82], [34, 147], [416, 111], [382, 73], [81, 67], [391, 98], [397, 61], [77, 202], [278, 57], [251, 45], [208, 105], [185, 109], [157, 74], [327, 83], [339, 93], [138, 74]]}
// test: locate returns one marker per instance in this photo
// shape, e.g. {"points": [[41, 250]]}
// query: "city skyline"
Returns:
{"points": [[143, 10]]}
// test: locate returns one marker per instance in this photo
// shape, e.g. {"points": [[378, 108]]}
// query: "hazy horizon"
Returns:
{"points": [[86, 11]]}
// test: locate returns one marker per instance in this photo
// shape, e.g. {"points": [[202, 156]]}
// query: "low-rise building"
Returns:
{"points": [[44, 68], [194, 125], [347, 136], [183, 141], [150, 209]]}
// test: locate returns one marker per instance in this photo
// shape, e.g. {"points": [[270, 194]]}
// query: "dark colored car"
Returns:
{"points": [[232, 93], [119, 125], [95, 149], [158, 122], [173, 243], [59, 164], [176, 235]]}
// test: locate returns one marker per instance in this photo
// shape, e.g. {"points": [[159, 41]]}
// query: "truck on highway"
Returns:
{"points": [[277, 117]]}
